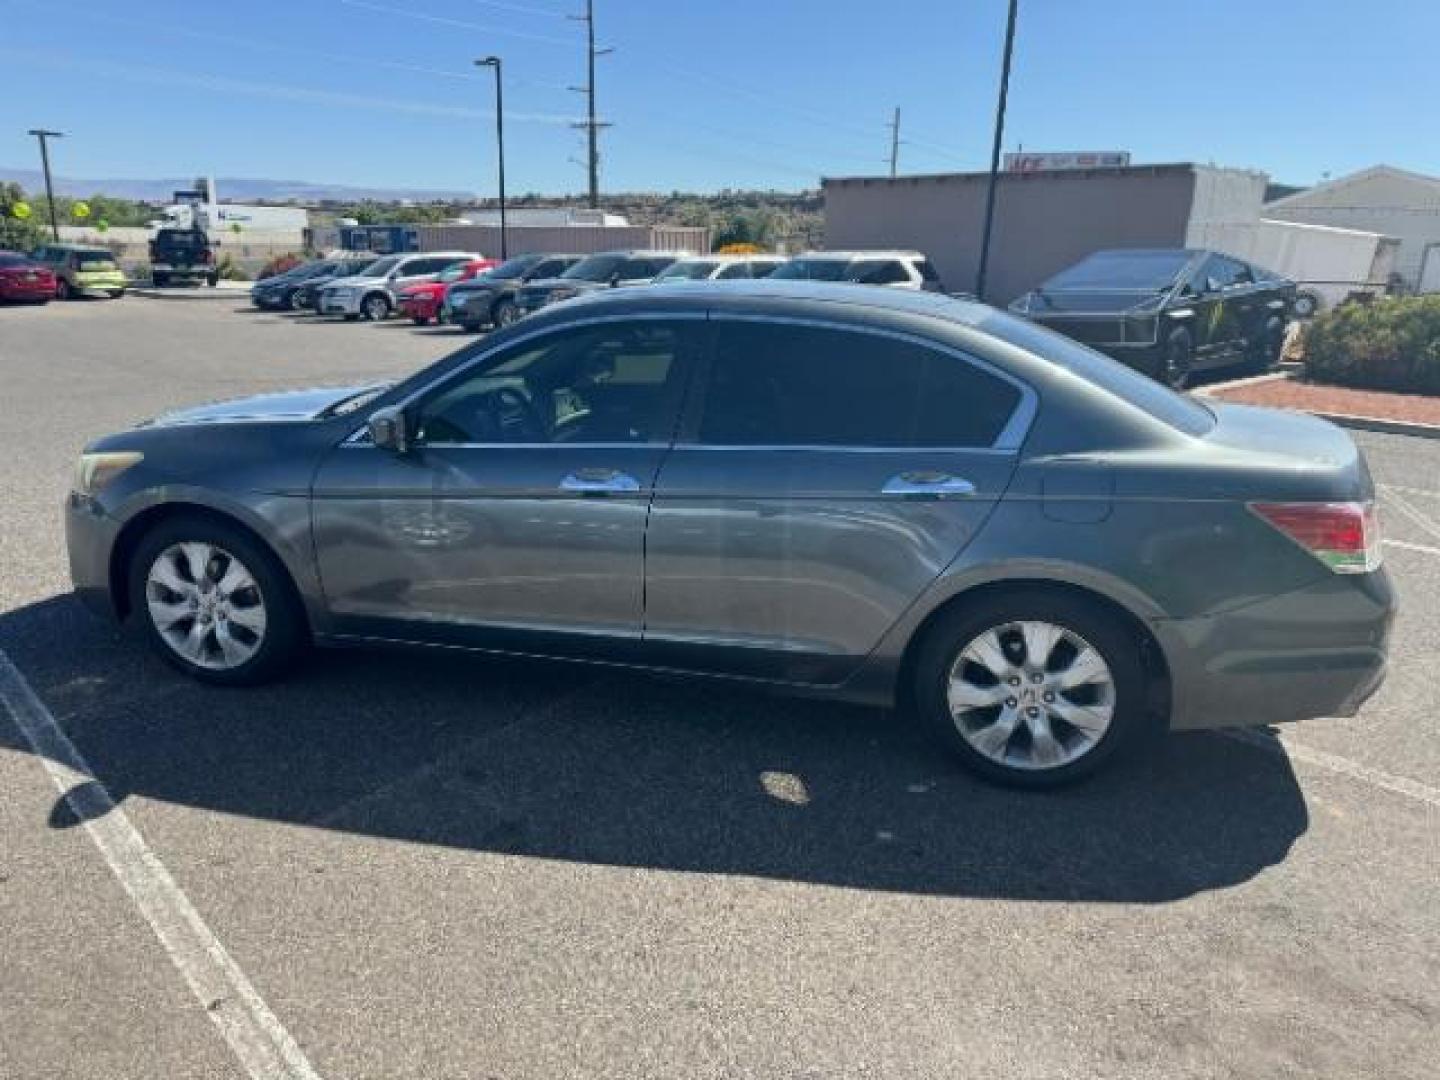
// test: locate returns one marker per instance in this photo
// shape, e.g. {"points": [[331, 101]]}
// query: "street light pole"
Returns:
{"points": [[995, 154], [43, 135], [494, 61]]}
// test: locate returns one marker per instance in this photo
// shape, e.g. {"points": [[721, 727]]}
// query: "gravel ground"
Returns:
{"points": [[1291, 392], [438, 866]]}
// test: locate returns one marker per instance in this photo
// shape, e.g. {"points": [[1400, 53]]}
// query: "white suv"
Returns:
{"points": [[719, 268], [372, 292], [897, 269]]}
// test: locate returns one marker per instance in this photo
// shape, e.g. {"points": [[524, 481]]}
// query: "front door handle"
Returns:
{"points": [[600, 482], [933, 485]]}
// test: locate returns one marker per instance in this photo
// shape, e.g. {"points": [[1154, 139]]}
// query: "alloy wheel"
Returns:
{"points": [[376, 309], [1031, 695], [206, 605]]}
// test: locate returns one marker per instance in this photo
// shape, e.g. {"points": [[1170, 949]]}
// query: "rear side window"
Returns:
{"points": [[734, 270], [927, 271], [890, 272], [774, 384]]}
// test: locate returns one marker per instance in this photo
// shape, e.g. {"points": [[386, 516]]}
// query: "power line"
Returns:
{"points": [[441, 20], [520, 9]]}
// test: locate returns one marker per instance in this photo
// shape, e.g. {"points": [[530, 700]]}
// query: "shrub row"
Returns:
{"points": [[1391, 344]]}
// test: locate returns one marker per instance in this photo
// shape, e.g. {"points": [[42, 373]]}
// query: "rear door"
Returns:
{"points": [[826, 475]]}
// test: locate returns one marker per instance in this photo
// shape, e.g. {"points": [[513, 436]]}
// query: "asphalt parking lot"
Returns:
{"points": [[439, 866]]}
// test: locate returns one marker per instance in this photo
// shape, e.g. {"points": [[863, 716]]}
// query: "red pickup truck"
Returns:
{"points": [[426, 300]]}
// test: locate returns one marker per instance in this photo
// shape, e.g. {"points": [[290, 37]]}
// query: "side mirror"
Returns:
{"points": [[389, 429]]}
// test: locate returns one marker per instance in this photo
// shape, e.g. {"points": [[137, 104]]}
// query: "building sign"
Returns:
{"points": [[1085, 159]]}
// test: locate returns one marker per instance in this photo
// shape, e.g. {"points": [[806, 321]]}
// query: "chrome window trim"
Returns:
{"points": [[1009, 441], [361, 437]]}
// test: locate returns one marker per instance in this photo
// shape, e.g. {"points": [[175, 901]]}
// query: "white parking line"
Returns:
{"points": [[261, 1043], [1398, 785], [1413, 514], [1405, 545]]}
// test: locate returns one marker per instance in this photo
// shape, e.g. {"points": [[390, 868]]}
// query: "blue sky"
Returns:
{"points": [[706, 94]]}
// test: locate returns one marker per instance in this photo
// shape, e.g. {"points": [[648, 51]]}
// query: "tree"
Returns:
{"points": [[18, 234]]}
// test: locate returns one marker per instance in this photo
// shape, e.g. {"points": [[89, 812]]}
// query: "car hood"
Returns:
{"points": [[289, 405], [1043, 302]]}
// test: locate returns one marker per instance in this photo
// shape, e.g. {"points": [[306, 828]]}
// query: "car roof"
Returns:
{"points": [[63, 245], [848, 255], [646, 252], [707, 294]]}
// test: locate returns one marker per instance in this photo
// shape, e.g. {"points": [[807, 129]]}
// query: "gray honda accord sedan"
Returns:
{"points": [[881, 496]]}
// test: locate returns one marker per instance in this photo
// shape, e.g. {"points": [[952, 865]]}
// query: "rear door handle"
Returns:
{"points": [[600, 482], [933, 485]]}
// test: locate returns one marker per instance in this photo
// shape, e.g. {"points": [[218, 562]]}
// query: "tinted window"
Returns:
{"points": [[1141, 391], [1122, 270], [763, 269], [95, 260], [688, 270], [812, 270], [889, 272], [595, 267], [734, 270], [6, 259], [551, 268], [927, 271], [610, 383], [778, 385], [1231, 272]]}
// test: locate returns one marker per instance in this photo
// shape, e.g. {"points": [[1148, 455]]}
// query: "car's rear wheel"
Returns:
{"points": [[63, 290], [1032, 689], [376, 307], [420, 320], [1264, 351], [214, 602], [1176, 361], [505, 314]]}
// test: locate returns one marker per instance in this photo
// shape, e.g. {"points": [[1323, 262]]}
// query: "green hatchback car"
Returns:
{"points": [[83, 271]]}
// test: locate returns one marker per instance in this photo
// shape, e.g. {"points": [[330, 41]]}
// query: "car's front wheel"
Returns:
{"points": [[214, 602], [63, 290], [1031, 689], [506, 313], [376, 307], [1176, 360]]}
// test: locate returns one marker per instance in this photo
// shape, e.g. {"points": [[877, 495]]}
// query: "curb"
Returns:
{"points": [[201, 292], [1380, 424]]}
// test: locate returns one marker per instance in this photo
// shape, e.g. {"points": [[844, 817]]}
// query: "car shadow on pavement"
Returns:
{"points": [[584, 764]]}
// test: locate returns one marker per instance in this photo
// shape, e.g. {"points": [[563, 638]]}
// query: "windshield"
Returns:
{"points": [[595, 268], [1144, 393], [813, 270], [688, 271], [95, 260], [15, 260], [380, 267], [1129, 270], [514, 268]]}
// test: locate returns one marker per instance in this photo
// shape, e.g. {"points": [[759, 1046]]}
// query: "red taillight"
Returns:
{"points": [[1344, 536]]}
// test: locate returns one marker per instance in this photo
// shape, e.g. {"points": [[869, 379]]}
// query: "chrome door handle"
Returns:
{"points": [[935, 485], [600, 482]]}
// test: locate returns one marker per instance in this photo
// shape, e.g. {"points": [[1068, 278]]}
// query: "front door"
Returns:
{"points": [[517, 519], [830, 475]]}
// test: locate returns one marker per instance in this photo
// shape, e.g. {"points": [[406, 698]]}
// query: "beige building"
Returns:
{"points": [[1044, 221]]}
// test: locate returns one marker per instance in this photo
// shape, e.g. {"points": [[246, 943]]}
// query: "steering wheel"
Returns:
{"points": [[516, 418]]}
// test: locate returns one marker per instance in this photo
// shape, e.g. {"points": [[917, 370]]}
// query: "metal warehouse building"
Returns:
{"points": [[1044, 221]]}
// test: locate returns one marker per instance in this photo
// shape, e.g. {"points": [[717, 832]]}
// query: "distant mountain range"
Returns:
{"points": [[232, 188]]}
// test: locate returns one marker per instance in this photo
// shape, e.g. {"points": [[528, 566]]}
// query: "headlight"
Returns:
{"points": [[93, 472]]}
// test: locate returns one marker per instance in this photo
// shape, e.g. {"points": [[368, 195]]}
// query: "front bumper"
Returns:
{"points": [[89, 538], [1318, 651], [339, 303], [469, 306]]}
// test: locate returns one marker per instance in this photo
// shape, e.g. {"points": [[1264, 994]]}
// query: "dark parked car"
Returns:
{"points": [[491, 300], [24, 279], [1168, 313], [872, 494], [307, 296], [605, 270], [277, 292]]}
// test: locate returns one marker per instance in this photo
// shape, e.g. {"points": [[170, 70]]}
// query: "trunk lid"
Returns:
{"points": [[1287, 455]]}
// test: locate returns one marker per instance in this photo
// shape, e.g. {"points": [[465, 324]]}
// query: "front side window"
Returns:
{"points": [[773, 384], [688, 270], [803, 269], [608, 383], [889, 272], [734, 270]]}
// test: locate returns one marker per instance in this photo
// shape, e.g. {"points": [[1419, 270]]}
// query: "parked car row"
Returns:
{"points": [[60, 272]]}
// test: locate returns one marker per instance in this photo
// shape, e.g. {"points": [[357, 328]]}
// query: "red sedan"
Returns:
{"points": [[425, 301], [22, 278]]}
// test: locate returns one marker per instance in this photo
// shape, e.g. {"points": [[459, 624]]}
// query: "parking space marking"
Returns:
{"points": [[264, 1048], [1405, 545], [1413, 514], [1398, 785]]}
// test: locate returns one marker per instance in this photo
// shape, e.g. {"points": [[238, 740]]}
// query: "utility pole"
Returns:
{"points": [[43, 135], [591, 125], [494, 61], [895, 143], [995, 154]]}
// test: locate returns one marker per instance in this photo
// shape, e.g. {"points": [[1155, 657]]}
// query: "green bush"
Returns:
{"points": [[230, 270], [1390, 344]]}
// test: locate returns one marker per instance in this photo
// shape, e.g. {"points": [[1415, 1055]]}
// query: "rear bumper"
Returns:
{"points": [[1319, 651], [27, 291], [89, 538]]}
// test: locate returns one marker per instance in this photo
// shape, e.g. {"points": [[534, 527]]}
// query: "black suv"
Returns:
{"points": [[604, 270], [490, 299], [182, 256]]}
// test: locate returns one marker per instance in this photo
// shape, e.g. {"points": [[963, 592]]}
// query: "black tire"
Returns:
{"points": [[352, 318], [504, 313], [470, 327], [63, 290], [1175, 360], [286, 633], [289, 303], [1111, 638], [160, 281], [420, 320], [375, 307], [1264, 352]]}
